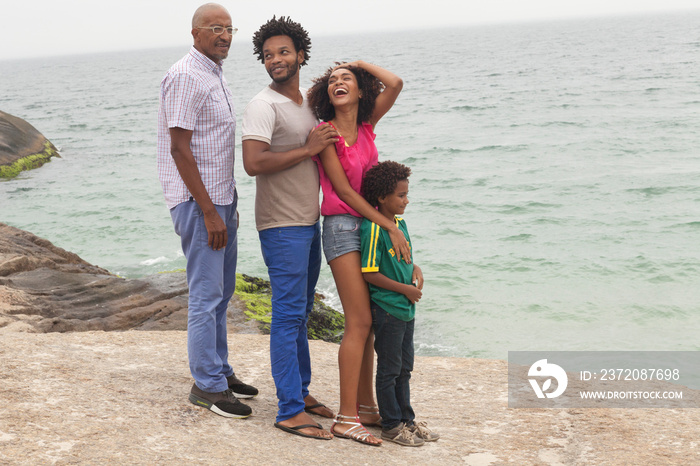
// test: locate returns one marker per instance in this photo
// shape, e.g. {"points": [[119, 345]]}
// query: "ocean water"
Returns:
{"points": [[555, 195]]}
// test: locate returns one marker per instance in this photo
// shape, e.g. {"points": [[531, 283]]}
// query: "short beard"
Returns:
{"points": [[288, 76]]}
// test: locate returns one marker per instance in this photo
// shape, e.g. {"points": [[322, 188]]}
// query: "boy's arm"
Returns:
{"points": [[417, 277], [371, 257], [382, 281]]}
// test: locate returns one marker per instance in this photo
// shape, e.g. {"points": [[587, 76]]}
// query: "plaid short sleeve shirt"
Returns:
{"points": [[194, 96]]}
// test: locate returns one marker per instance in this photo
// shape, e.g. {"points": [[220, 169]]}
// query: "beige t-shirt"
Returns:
{"points": [[288, 197]]}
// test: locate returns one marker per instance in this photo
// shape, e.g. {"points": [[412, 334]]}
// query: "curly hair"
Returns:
{"points": [[282, 27], [369, 86], [381, 180]]}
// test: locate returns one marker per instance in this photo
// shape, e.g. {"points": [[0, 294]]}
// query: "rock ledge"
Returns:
{"points": [[121, 398], [44, 288]]}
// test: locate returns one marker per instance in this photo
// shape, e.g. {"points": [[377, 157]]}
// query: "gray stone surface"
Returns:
{"points": [[121, 398]]}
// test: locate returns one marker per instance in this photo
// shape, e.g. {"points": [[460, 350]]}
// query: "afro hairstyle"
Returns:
{"points": [[283, 26], [381, 180]]}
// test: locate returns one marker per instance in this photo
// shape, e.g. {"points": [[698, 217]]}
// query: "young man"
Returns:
{"points": [[196, 129], [278, 143]]}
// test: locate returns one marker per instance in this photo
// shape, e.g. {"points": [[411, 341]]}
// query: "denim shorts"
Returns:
{"points": [[341, 235]]}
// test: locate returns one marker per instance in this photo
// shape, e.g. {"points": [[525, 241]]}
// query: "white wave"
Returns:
{"points": [[157, 260]]}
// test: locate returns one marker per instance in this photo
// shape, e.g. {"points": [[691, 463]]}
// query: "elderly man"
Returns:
{"points": [[196, 129]]}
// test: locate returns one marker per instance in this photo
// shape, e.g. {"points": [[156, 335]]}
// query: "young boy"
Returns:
{"points": [[395, 287]]}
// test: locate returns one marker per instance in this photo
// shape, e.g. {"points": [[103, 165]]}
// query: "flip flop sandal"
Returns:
{"points": [[296, 430], [309, 408], [357, 432]]}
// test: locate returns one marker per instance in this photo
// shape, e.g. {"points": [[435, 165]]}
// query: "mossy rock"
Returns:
{"points": [[325, 323], [257, 296], [29, 162], [22, 147]]}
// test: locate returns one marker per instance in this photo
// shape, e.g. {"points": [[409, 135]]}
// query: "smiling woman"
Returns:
{"points": [[339, 77], [350, 98]]}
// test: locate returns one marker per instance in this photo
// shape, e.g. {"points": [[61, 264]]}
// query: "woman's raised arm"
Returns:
{"points": [[392, 88]]}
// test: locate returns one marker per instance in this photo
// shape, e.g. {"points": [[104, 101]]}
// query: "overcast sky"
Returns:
{"points": [[65, 27]]}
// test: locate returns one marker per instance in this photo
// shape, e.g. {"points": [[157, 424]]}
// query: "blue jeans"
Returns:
{"points": [[393, 342], [293, 259], [211, 278]]}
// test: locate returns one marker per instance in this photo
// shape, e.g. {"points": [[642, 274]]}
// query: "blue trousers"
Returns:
{"points": [[211, 278], [293, 259], [393, 342]]}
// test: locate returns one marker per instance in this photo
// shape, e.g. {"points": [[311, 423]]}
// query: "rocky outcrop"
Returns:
{"points": [[22, 147], [52, 290], [44, 288]]}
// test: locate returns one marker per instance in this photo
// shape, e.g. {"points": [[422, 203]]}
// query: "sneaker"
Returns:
{"points": [[222, 403], [240, 389], [402, 435], [422, 431]]}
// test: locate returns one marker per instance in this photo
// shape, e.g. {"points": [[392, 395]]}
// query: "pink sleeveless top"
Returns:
{"points": [[356, 160]]}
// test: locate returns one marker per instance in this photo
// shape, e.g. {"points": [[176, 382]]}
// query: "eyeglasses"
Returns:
{"points": [[218, 30]]}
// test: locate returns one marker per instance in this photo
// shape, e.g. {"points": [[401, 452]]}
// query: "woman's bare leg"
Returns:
{"points": [[365, 389], [354, 296]]}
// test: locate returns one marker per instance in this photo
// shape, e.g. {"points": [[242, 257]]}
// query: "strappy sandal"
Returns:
{"points": [[357, 432], [370, 410]]}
